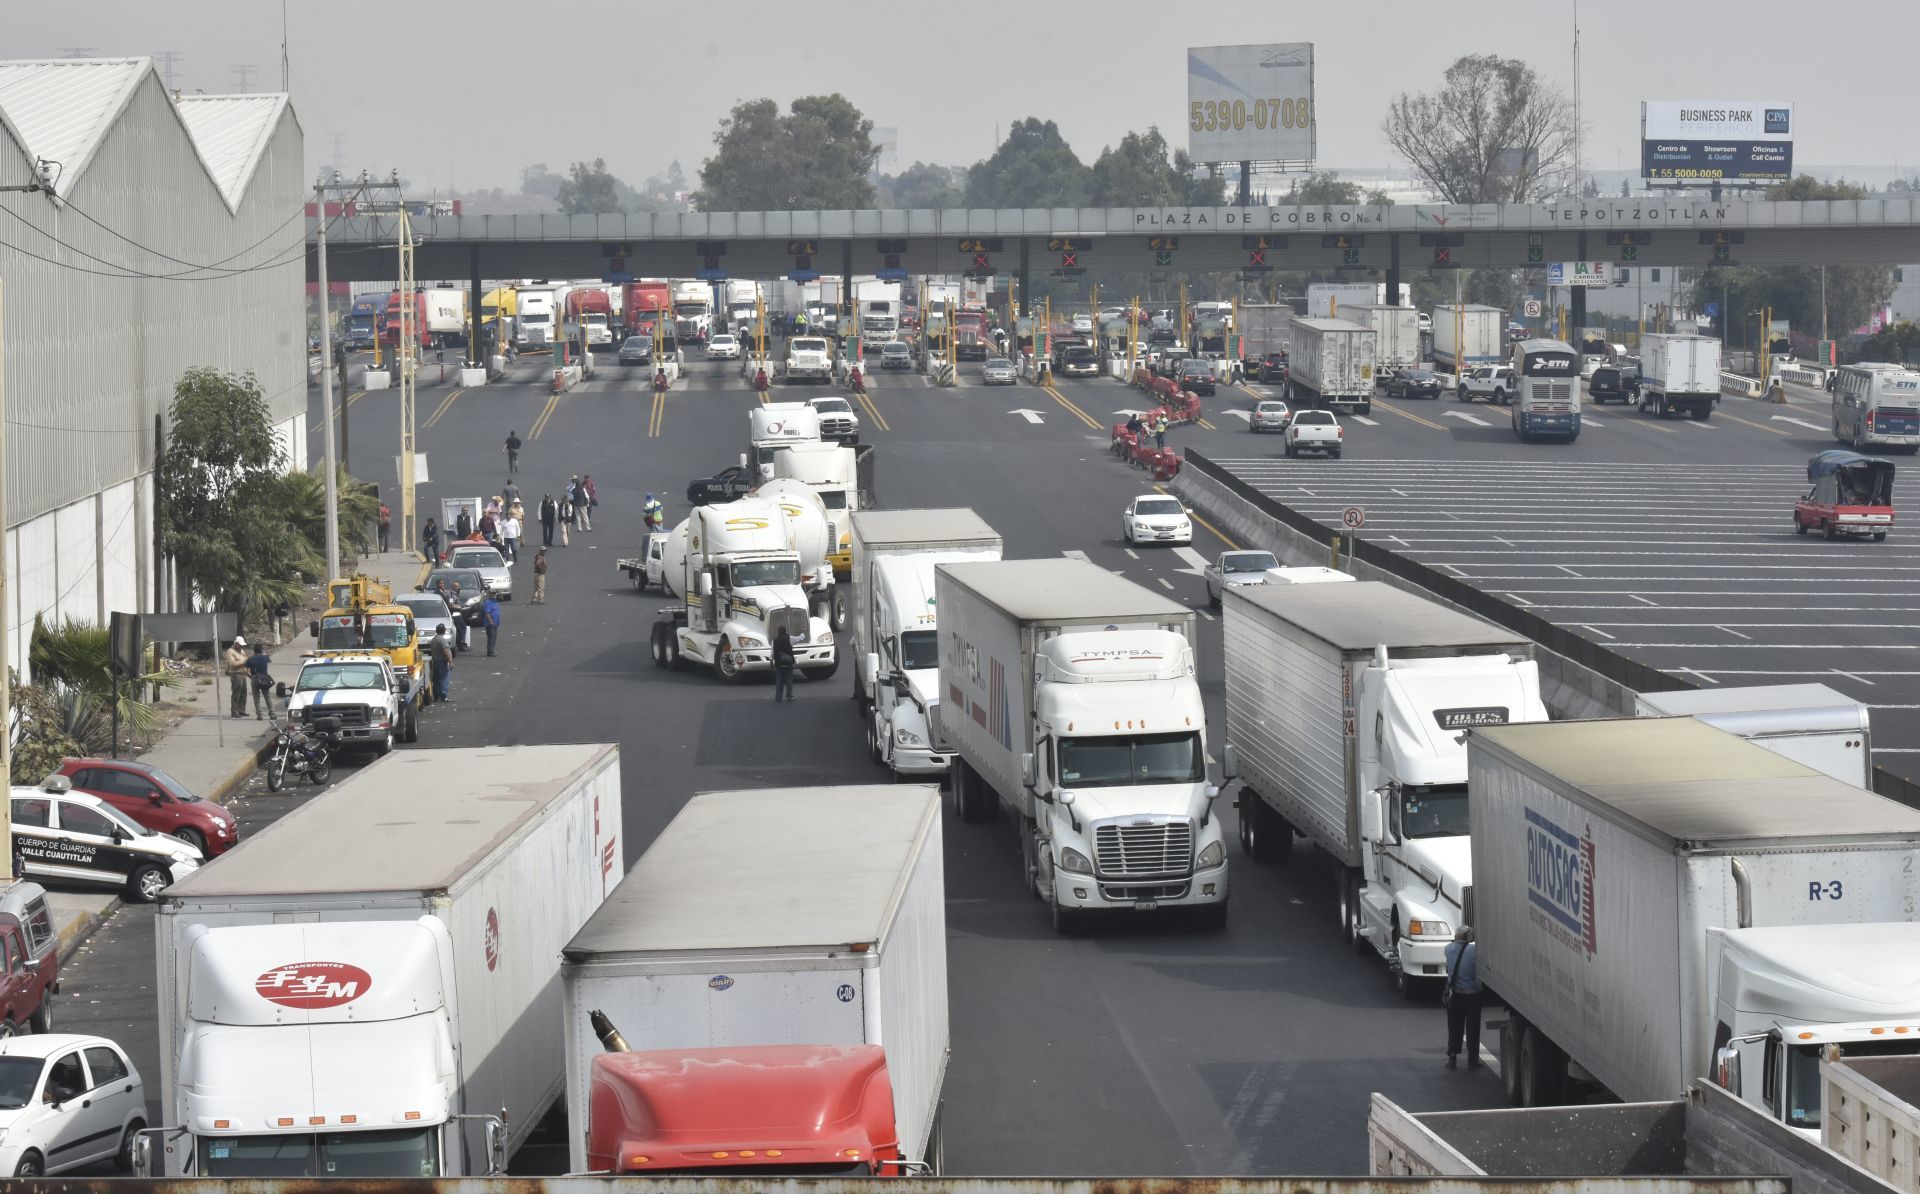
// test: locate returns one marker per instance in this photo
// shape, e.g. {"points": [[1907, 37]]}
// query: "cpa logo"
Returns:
{"points": [[1778, 120]]}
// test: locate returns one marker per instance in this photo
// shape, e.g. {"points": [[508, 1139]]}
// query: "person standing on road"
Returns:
{"points": [[540, 577], [490, 619], [782, 665], [386, 525], [430, 539], [440, 662], [1134, 427], [1160, 431], [509, 495], [549, 514], [653, 513], [1463, 998], [510, 535], [455, 603], [575, 500], [261, 680], [238, 677], [463, 525], [512, 449], [589, 498], [566, 515]]}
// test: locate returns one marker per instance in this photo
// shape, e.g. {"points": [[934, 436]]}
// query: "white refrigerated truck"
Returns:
{"points": [[1068, 695], [1468, 336], [764, 1018], [1347, 706], [369, 987], [1396, 336], [895, 627], [1657, 900], [1332, 365], [1808, 723], [1679, 375]]}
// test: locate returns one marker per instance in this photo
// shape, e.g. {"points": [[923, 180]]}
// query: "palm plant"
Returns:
{"points": [[73, 664]]}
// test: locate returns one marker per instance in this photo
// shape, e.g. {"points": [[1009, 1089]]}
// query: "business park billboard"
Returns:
{"points": [[1716, 141], [1250, 103]]}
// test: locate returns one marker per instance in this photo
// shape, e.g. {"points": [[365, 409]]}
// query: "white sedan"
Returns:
{"points": [[1156, 518], [65, 1101], [1235, 568], [723, 348]]}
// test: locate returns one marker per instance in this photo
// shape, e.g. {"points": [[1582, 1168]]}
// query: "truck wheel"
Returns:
{"points": [[839, 612], [1353, 929], [1264, 833], [384, 747], [1509, 1049], [1542, 1070], [873, 743], [1030, 855], [1703, 413], [410, 725], [656, 649], [725, 666], [1066, 921], [1211, 918], [41, 1020], [972, 799], [1366, 408]]}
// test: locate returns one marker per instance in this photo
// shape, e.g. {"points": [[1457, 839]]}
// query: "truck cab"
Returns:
{"points": [[807, 358], [902, 665], [776, 426], [362, 693]]}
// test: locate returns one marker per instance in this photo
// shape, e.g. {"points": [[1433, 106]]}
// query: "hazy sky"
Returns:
{"points": [[462, 95]]}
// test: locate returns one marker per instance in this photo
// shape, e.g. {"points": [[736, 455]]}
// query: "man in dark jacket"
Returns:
{"points": [[782, 665], [463, 525], [549, 515], [262, 683]]}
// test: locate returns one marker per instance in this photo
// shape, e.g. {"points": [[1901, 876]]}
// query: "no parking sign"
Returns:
{"points": [[1354, 517]]}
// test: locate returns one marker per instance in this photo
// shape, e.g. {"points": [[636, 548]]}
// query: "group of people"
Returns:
{"points": [[1156, 426], [246, 668]]}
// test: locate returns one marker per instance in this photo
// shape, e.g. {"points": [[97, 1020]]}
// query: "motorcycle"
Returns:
{"points": [[303, 752]]}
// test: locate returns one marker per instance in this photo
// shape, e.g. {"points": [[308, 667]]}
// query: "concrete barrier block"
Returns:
{"points": [[376, 379], [473, 377]]}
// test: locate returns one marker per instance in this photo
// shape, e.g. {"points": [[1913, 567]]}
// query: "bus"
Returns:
{"points": [[1546, 397], [1877, 406]]}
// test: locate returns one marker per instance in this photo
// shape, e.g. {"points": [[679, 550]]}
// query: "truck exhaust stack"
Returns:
{"points": [[608, 1034]]}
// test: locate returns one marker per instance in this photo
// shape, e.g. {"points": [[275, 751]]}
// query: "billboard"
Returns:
{"points": [[1579, 273], [1715, 140], [1250, 103]]}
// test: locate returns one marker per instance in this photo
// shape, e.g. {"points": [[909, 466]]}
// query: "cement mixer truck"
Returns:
{"points": [[812, 533], [737, 572]]}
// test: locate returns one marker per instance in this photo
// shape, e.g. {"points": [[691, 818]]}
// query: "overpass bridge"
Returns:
{"points": [[1022, 242]]}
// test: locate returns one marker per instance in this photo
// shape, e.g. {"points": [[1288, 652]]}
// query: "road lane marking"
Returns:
{"points": [[1072, 409], [545, 416], [1164, 582], [445, 404], [1464, 417], [1756, 426], [866, 403], [1196, 563], [1207, 425], [1217, 532], [338, 407], [1131, 554], [1407, 414], [658, 417], [1362, 419], [357, 397], [1031, 416]]}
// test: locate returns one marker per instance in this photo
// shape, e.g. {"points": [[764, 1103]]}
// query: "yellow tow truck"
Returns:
{"points": [[361, 618]]}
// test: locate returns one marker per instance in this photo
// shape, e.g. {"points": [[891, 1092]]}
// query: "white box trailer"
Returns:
{"points": [[446, 316], [1649, 893], [828, 929], [1397, 336], [1332, 365], [1264, 328], [1468, 336], [1808, 723], [380, 961], [1679, 375]]}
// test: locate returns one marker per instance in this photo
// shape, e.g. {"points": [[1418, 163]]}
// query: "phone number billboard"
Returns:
{"points": [[1250, 103], [1716, 140]]}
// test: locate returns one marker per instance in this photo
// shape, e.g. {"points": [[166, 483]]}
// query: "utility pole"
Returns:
{"points": [[6, 631], [285, 81], [326, 385], [243, 76], [403, 360], [166, 59], [1576, 99]]}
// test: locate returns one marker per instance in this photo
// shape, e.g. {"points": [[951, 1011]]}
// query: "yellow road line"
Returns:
{"points": [[1208, 426], [1407, 414], [1249, 389], [546, 414], [659, 415], [1082, 415], [445, 404], [315, 428], [1750, 423], [1217, 532], [357, 397], [867, 404]]}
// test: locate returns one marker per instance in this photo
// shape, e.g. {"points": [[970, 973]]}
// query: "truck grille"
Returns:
{"points": [[1559, 391], [1159, 849], [794, 620], [349, 715]]}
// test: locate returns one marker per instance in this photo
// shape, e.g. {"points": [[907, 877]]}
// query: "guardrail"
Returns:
{"points": [[1608, 664], [1740, 386]]}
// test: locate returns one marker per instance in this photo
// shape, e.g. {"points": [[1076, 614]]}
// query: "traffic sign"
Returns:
{"points": [[1354, 517], [802, 248], [1533, 308], [1161, 244], [1064, 244], [1162, 260]]}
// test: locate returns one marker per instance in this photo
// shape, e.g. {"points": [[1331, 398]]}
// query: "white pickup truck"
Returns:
{"points": [[359, 691], [1491, 383], [1314, 431]]}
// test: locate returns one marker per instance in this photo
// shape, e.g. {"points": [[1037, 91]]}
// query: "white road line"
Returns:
{"points": [[1569, 571], [1700, 675], [1132, 554], [1401, 492], [1455, 571], [1524, 601], [1852, 676], [1363, 419], [1732, 631], [1203, 613], [1777, 647], [1595, 629], [1164, 582], [1076, 554], [1860, 676], [1196, 563]]}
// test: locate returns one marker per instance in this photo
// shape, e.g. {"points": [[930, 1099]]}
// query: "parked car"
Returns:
{"points": [[64, 836], [998, 371], [636, 350], [1414, 383], [1614, 383], [1196, 377], [838, 423], [1314, 431], [26, 901], [67, 1100], [895, 355], [1269, 414], [1426, 322], [472, 590], [1156, 518], [723, 347], [429, 610], [484, 558], [729, 484], [1234, 568], [156, 800]]}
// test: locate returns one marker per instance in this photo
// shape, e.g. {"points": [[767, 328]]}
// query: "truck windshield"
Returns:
{"points": [[337, 633], [401, 1153], [758, 573], [1132, 759], [1437, 811], [832, 499], [919, 650], [330, 676]]}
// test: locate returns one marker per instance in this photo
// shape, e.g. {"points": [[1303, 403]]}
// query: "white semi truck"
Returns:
{"points": [[1396, 336], [843, 477], [369, 987], [1808, 723], [1657, 900], [789, 1022], [1467, 337], [879, 305], [1679, 375], [1332, 365], [895, 625], [812, 532], [1069, 698], [773, 427], [535, 324], [737, 574], [1347, 706]]}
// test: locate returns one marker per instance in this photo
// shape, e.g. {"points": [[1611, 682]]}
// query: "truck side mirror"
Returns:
{"points": [[497, 1145], [1229, 764], [313, 629], [142, 1155], [870, 673], [706, 584], [1726, 1068], [1030, 769]]}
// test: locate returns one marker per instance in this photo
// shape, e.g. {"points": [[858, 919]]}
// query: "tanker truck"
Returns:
{"points": [[812, 532], [736, 571]]}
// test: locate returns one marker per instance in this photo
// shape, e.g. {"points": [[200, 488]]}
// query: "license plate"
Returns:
{"points": [[1146, 905]]}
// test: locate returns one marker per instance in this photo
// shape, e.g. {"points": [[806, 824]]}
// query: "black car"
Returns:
{"points": [[1197, 377], [1614, 383], [729, 484], [472, 590], [1414, 383], [1272, 367]]}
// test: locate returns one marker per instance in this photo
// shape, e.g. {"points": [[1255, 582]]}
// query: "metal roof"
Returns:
{"points": [[877, 528], [803, 867], [1365, 614], [62, 108], [1682, 780], [231, 132], [1062, 589], [1331, 325], [418, 820]]}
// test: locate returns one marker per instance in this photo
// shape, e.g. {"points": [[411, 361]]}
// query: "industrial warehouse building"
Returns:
{"points": [[167, 235]]}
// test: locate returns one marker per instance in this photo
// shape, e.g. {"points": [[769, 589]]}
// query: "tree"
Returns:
{"points": [[1495, 132], [591, 190], [1898, 343], [816, 156], [1033, 167], [1852, 292], [538, 180], [1136, 173], [922, 185]]}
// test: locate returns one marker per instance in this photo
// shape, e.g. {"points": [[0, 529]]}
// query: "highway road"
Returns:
{"points": [[1144, 1046]]}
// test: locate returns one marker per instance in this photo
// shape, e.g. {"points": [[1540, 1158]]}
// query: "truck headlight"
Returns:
{"points": [[1429, 928], [748, 640], [1074, 861], [906, 737], [1213, 855]]}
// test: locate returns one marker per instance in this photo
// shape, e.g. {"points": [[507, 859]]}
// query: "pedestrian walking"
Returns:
{"points": [[549, 514], [540, 577], [490, 619], [440, 661], [782, 665], [430, 539], [575, 499], [510, 535], [512, 449], [1160, 432], [510, 495], [262, 683], [1463, 996], [591, 494], [238, 677], [386, 524]]}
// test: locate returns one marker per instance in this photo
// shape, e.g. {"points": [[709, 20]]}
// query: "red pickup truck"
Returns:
{"points": [[27, 982]]}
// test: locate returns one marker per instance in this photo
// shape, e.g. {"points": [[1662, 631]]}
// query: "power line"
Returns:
{"points": [[165, 60]]}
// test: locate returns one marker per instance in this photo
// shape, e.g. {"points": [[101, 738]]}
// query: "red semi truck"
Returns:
{"points": [[646, 302], [972, 335], [589, 313], [390, 334]]}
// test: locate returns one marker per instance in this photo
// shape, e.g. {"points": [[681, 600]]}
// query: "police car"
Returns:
{"points": [[60, 835]]}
